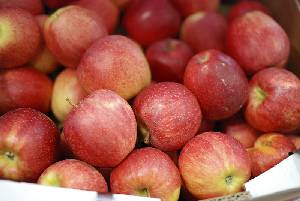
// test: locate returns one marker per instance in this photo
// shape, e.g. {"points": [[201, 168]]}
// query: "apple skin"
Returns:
{"points": [[269, 150], [239, 129], [116, 63], [106, 9], [71, 173], [273, 104], [168, 115], [218, 82], [101, 130], [214, 164], [295, 139], [147, 172], [204, 30], [56, 4], [245, 6], [168, 59], [65, 38], [206, 125], [20, 37], [188, 7], [122, 4], [24, 87], [267, 46], [35, 7], [43, 61], [28, 144], [161, 21], [66, 92]]}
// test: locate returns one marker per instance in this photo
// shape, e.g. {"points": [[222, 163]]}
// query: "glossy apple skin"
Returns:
{"points": [[206, 125], [214, 164], [20, 37], [295, 139], [71, 173], [33, 139], [43, 61], [65, 38], [147, 172], [150, 21], [204, 30], [67, 92], [24, 87], [168, 115], [274, 101], [188, 7], [101, 129], [168, 59], [269, 150], [35, 7], [55, 4], [245, 6], [267, 46], [106, 9], [116, 63], [218, 82]]}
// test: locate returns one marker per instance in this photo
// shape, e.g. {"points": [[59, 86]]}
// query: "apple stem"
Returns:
{"points": [[70, 102]]}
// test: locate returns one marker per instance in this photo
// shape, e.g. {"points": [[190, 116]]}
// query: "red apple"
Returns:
{"points": [[241, 131], [204, 30], [188, 7], [257, 41], [106, 9], [150, 21], [43, 61], [214, 164], [219, 83], [206, 125], [168, 59], [101, 129], [245, 6], [296, 140], [121, 3], [274, 101], [55, 4], [20, 37], [147, 172], [35, 7], [24, 87], [28, 144], [75, 174], [67, 92], [168, 115], [65, 37], [269, 150], [115, 63]]}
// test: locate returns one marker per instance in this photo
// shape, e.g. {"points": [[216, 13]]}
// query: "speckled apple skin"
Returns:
{"points": [[170, 113], [101, 130], [218, 82], [35, 7]]}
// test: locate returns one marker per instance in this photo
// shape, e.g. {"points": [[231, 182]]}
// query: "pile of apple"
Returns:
{"points": [[187, 100]]}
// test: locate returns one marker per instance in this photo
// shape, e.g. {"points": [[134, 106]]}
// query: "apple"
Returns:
{"points": [[218, 82], [106, 9], [121, 3], [204, 30], [65, 37], [101, 129], [168, 59], [106, 174], [20, 37], [35, 7], [71, 173], [24, 87], [28, 144], [273, 104], [267, 46], [241, 131], [147, 172], [168, 115], [214, 164], [295, 139], [245, 6], [116, 63], [269, 150], [188, 7], [206, 125], [55, 4], [43, 61], [150, 21], [67, 92]]}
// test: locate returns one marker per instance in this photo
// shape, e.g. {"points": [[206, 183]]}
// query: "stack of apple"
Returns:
{"points": [[172, 97]]}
